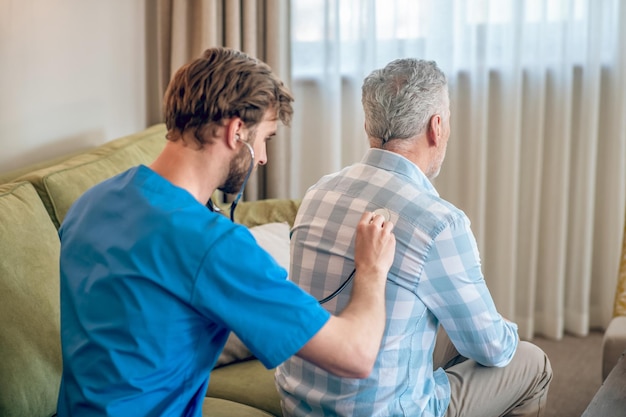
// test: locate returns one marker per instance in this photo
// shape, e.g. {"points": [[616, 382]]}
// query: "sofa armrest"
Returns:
{"points": [[610, 400], [613, 344]]}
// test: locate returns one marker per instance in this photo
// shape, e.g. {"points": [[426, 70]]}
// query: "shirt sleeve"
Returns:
{"points": [[454, 289], [242, 287]]}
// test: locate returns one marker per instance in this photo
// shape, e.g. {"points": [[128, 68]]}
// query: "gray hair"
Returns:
{"points": [[400, 99]]}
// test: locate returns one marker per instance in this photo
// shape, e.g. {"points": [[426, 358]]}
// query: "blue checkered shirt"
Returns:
{"points": [[435, 279]]}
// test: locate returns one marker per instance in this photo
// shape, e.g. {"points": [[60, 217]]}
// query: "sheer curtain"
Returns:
{"points": [[537, 154], [180, 30]]}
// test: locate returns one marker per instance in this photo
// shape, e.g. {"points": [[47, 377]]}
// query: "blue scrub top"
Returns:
{"points": [[152, 282]]}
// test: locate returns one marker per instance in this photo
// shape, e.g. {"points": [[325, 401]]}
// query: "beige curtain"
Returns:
{"points": [[537, 153], [179, 30]]}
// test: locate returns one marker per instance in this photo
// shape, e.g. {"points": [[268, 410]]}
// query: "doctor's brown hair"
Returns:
{"points": [[221, 84]]}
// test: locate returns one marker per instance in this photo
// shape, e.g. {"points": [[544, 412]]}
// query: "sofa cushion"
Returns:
{"points": [[61, 184], [274, 238], [246, 383], [254, 213], [30, 365], [217, 407]]}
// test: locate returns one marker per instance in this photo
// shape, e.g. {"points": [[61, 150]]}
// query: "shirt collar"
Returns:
{"points": [[394, 162]]}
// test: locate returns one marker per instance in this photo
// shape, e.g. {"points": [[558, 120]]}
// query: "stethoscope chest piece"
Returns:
{"points": [[383, 212]]}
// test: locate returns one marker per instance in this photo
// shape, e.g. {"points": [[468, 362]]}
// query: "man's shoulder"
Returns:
{"points": [[442, 208]]}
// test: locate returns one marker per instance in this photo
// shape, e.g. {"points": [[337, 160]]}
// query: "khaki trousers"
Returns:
{"points": [[518, 389]]}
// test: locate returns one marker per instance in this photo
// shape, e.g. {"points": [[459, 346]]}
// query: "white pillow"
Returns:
{"points": [[274, 238]]}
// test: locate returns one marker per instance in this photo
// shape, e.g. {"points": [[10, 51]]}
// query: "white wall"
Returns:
{"points": [[72, 76]]}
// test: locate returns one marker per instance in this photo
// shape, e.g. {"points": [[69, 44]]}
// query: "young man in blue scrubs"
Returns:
{"points": [[152, 282]]}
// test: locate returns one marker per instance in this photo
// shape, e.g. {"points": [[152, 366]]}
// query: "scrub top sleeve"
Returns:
{"points": [[240, 286]]}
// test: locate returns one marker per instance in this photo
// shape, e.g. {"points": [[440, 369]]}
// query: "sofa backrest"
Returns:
{"points": [[31, 209], [61, 184], [30, 354], [255, 213]]}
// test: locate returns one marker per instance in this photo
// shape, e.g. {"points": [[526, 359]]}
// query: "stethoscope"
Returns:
{"points": [[378, 212], [233, 206]]}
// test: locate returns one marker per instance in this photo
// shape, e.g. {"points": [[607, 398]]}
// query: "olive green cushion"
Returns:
{"points": [[30, 354], [246, 383], [61, 184], [255, 213], [217, 407]]}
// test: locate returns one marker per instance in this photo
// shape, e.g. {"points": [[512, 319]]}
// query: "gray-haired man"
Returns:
{"points": [[481, 369]]}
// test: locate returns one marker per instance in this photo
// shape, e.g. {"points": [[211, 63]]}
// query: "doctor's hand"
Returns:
{"points": [[375, 245], [347, 345]]}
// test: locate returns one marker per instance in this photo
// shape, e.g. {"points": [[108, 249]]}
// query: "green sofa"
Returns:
{"points": [[32, 205]]}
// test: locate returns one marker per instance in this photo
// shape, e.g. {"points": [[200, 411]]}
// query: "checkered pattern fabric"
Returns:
{"points": [[435, 279]]}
